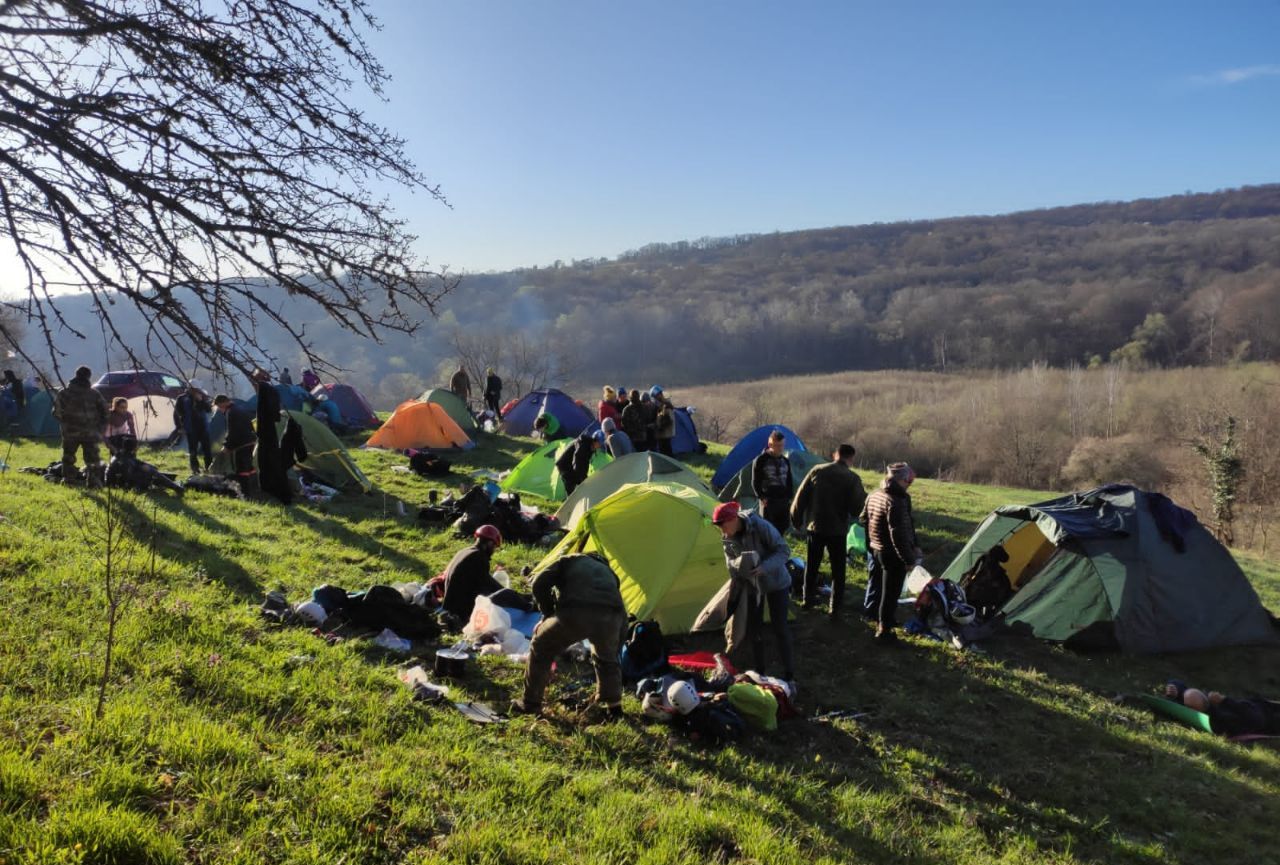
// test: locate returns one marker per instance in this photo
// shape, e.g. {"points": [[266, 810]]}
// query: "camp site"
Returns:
{"points": [[233, 719], [669, 433]]}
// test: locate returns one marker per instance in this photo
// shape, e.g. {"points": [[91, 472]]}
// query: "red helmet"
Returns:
{"points": [[490, 533]]}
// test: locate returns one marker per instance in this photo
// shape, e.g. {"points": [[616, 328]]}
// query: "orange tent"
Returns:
{"points": [[417, 424]]}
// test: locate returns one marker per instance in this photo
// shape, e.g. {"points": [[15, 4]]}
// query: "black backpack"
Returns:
{"points": [[644, 653], [429, 465]]}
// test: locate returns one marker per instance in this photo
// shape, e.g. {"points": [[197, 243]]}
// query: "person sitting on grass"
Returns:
{"points": [[1229, 716]]}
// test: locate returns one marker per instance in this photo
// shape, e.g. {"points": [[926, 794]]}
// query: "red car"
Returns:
{"points": [[131, 383]]}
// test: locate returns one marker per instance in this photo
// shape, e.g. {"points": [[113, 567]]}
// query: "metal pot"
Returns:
{"points": [[451, 663]]}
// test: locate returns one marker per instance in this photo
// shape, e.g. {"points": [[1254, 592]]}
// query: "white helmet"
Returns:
{"points": [[312, 612], [962, 614], [683, 697], [654, 706]]}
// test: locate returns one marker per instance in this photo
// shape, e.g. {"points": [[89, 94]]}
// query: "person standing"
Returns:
{"points": [[665, 425], [633, 419], [285, 377], [574, 463], [757, 556], [891, 542], [272, 472], [460, 384], [17, 390], [772, 484], [607, 409], [493, 393], [580, 599], [829, 499], [82, 412], [191, 415], [239, 442]]}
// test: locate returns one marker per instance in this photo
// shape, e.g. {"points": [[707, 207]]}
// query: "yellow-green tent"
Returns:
{"points": [[659, 540]]}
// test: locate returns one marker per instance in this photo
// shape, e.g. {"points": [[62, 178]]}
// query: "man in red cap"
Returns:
{"points": [[757, 556]]}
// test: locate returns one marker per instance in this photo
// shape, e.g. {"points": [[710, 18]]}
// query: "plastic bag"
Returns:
{"points": [[514, 642], [856, 540], [486, 618], [389, 639], [916, 580]]}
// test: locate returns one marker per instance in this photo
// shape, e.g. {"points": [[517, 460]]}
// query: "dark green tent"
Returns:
{"points": [[36, 418], [1118, 567], [327, 458]]}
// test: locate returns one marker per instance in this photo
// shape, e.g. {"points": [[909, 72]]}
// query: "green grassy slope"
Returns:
{"points": [[227, 740]]}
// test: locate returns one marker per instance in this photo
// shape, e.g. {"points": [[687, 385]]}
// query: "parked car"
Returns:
{"points": [[130, 383]]}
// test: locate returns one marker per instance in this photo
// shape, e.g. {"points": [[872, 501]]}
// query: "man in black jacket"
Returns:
{"points": [[828, 501], [239, 442], [771, 483], [468, 575], [575, 462], [493, 392]]}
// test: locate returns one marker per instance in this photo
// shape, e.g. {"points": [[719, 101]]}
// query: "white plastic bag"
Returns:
{"points": [[514, 642], [389, 639], [486, 618], [916, 580]]}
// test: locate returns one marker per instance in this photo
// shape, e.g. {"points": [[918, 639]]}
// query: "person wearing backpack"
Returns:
{"points": [[580, 599]]}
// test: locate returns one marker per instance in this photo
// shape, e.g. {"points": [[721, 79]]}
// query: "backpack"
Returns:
{"points": [[644, 653], [429, 465], [986, 584], [713, 723]]}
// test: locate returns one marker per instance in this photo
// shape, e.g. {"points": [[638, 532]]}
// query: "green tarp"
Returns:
{"points": [[659, 540]]}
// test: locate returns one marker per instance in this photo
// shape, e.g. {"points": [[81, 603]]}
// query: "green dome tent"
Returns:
{"points": [[327, 458], [659, 540], [36, 419], [635, 468], [1118, 567], [738, 489], [537, 474], [453, 406]]}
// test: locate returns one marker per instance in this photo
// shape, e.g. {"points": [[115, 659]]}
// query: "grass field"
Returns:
{"points": [[228, 740]]}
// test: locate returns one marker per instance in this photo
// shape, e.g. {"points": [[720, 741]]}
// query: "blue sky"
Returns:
{"points": [[564, 130]]}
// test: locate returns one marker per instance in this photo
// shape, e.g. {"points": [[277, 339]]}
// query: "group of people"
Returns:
{"points": [[647, 419], [460, 385]]}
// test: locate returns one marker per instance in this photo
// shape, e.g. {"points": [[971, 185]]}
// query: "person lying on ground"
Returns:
{"points": [[1229, 716]]}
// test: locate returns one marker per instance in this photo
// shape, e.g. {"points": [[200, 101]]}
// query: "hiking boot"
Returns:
{"points": [[520, 707]]}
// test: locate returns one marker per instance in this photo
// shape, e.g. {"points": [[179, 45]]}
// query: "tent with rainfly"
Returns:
{"points": [[36, 418], [749, 447], [738, 489], [417, 424], [453, 406], [686, 439], [659, 540], [636, 468], [356, 411], [327, 459], [1117, 567], [537, 474], [573, 417]]}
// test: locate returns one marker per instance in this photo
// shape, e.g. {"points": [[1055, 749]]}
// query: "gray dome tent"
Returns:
{"points": [[1117, 567]]}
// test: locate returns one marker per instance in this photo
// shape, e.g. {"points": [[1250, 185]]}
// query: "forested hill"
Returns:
{"points": [[1059, 285], [1188, 279]]}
